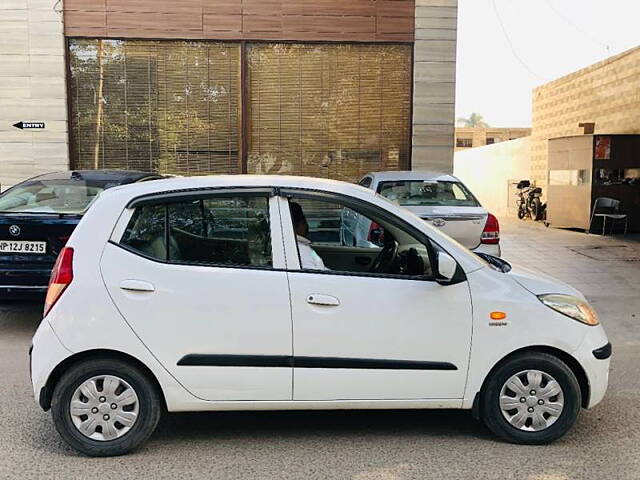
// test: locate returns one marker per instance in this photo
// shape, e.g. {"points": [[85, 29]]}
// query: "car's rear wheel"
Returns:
{"points": [[105, 407], [532, 398]]}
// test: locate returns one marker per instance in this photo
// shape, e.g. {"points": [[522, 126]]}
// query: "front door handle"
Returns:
{"points": [[326, 300], [137, 286]]}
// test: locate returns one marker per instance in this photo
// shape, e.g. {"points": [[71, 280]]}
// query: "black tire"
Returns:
{"points": [[491, 413], [149, 413], [536, 209], [521, 212]]}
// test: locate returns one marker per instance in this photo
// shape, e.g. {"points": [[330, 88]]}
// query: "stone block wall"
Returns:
{"points": [[32, 89]]}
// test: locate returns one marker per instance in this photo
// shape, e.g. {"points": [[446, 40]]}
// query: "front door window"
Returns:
{"points": [[336, 237]]}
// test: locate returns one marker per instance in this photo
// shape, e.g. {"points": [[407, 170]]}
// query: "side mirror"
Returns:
{"points": [[447, 267]]}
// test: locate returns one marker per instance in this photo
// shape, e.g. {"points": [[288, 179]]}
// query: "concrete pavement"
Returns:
{"points": [[364, 445]]}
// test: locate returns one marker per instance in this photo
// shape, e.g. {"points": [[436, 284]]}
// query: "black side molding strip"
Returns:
{"points": [[369, 364], [206, 360], [603, 353]]}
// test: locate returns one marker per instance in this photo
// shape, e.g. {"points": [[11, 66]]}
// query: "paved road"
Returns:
{"points": [[363, 445]]}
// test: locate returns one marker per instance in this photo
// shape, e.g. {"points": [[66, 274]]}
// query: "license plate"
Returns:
{"points": [[22, 246]]}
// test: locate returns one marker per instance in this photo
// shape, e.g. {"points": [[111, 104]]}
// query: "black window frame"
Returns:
{"points": [[185, 195], [366, 182], [366, 208], [464, 142]]}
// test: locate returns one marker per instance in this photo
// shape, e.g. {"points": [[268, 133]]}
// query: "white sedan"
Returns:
{"points": [[442, 200], [210, 293]]}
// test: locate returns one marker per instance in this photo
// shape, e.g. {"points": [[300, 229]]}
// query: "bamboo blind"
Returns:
{"points": [[328, 110], [170, 107], [325, 110]]}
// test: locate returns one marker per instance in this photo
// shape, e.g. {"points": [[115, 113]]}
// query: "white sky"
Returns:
{"points": [[551, 37]]}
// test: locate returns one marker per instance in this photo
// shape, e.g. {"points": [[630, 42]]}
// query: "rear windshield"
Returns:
{"points": [[427, 193], [71, 196]]}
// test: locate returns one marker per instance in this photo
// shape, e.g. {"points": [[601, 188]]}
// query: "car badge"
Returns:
{"points": [[438, 222], [14, 230]]}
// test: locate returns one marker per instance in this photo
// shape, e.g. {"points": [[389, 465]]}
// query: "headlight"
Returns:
{"points": [[572, 307]]}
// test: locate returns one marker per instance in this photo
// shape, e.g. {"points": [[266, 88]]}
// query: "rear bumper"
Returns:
{"points": [[22, 292], [491, 249], [46, 353], [24, 281]]}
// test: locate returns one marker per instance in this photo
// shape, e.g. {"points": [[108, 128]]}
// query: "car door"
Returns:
{"points": [[360, 335], [200, 279]]}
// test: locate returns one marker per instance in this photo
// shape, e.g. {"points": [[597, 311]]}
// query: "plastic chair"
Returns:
{"points": [[611, 208]]}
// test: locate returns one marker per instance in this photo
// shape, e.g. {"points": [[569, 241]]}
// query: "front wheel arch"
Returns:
{"points": [[46, 393], [571, 362]]}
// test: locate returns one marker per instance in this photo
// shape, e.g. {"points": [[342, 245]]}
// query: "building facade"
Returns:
{"points": [[470, 137], [606, 94], [325, 88]]}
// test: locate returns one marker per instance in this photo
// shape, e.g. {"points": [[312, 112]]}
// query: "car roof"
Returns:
{"points": [[412, 175], [240, 181], [118, 176]]}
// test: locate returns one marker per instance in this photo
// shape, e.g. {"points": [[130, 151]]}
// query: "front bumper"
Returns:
{"points": [[488, 248], [594, 345]]}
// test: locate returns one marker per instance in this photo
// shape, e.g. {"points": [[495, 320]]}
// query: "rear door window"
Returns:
{"points": [[221, 230]]}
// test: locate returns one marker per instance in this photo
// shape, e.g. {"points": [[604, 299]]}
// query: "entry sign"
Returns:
{"points": [[29, 125]]}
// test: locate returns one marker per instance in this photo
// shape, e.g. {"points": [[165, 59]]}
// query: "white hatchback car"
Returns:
{"points": [[207, 294], [443, 201]]}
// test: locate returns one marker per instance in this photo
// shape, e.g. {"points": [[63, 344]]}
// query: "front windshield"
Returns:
{"points": [[51, 196], [419, 193]]}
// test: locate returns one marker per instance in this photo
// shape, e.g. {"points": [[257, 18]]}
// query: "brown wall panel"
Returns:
{"points": [[222, 7], [222, 23], [397, 25], [329, 24], [86, 18], [304, 20]]}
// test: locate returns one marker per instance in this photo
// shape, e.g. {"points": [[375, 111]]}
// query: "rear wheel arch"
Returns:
{"points": [[567, 358], [46, 393]]}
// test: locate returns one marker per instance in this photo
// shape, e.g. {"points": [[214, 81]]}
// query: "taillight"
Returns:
{"points": [[61, 277], [491, 232]]}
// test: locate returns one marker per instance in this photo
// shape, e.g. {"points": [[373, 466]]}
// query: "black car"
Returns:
{"points": [[37, 217]]}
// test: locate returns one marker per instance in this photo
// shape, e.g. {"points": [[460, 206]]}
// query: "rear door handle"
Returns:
{"points": [[137, 286], [319, 299]]}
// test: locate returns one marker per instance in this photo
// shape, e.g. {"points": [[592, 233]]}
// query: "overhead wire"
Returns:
{"points": [[511, 46], [576, 27]]}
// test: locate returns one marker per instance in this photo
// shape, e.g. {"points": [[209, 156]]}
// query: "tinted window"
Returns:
{"points": [[366, 182], [427, 193], [219, 231], [145, 232]]}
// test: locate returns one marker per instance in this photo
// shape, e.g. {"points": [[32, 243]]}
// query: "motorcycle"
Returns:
{"points": [[529, 201]]}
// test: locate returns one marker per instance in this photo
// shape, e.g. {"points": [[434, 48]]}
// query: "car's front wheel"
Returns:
{"points": [[105, 407], [533, 398]]}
